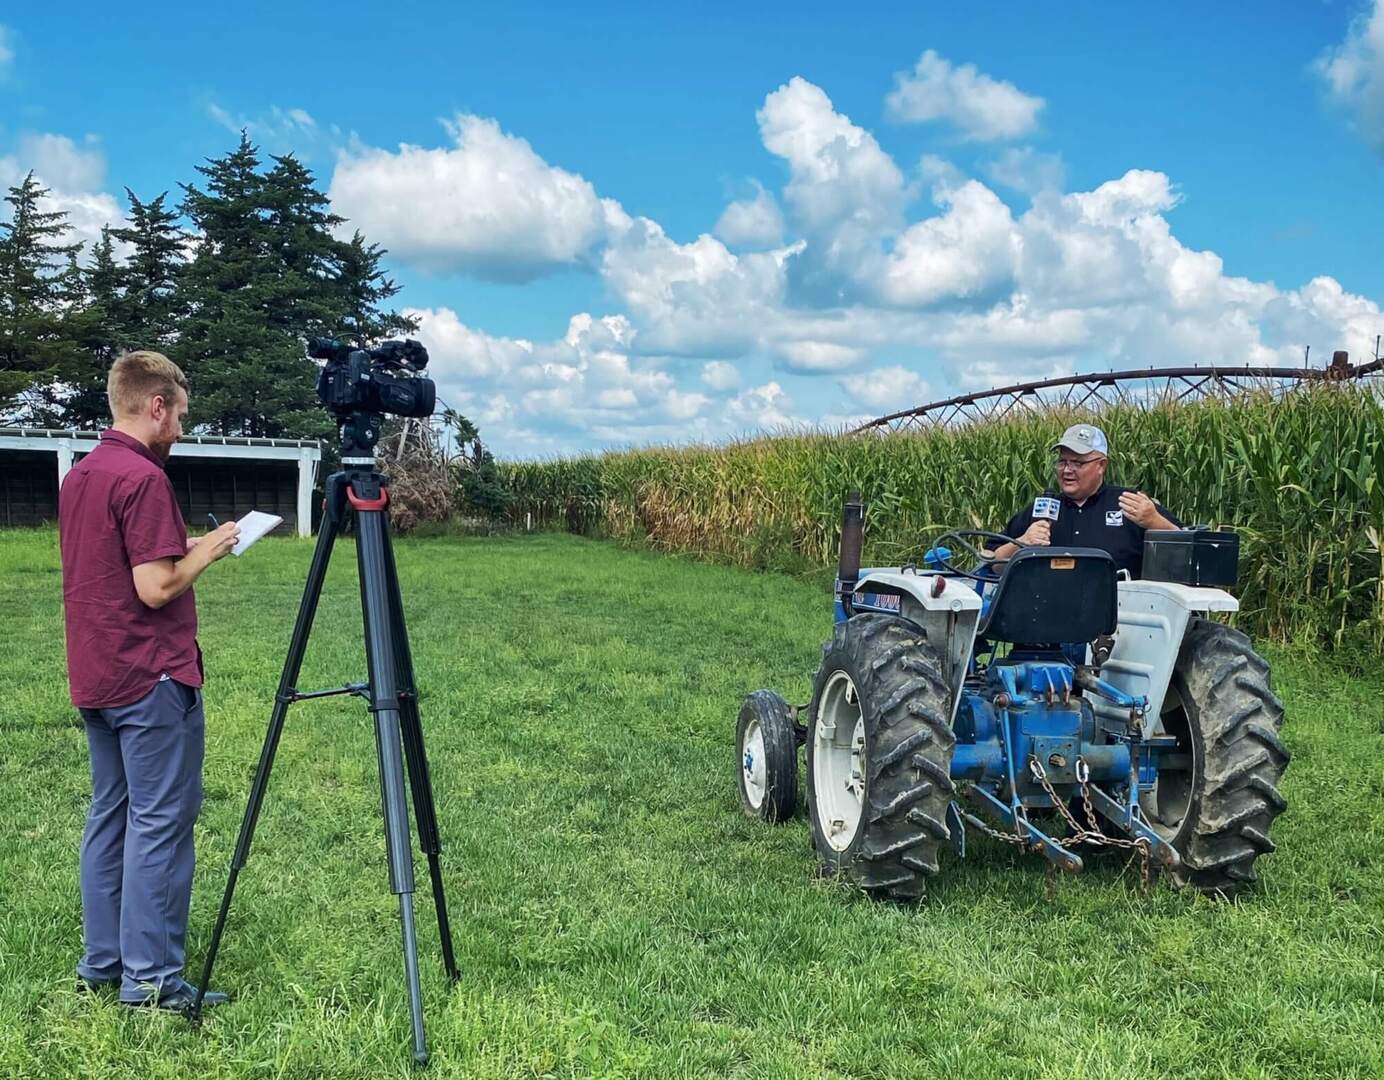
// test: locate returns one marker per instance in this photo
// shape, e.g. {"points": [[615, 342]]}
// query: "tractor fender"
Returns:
{"points": [[947, 609], [1153, 618]]}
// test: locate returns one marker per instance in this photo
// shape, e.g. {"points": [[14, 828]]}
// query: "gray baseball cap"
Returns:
{"points": [[1083, 439]]}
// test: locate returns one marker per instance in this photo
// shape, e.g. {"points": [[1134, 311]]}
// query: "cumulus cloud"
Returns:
{"points": [[697, 298], [756, 222], [838, 168], [61, 163], [1088, 249], [1323, 311], [982, 109], [764, 408], [586, 389], [845, 193], [1028, 170], [819, 357], [887, 389], [720, 375], [73, 175], [966, 253], [535, 397], [488, 205], [1352, 74], [1080, 281], [458, 353]]}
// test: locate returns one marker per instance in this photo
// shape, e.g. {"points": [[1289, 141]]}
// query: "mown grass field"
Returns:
{"points": [[615, 913]]}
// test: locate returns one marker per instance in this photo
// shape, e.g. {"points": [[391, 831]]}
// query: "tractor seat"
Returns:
{"points": [[1050, 595]]}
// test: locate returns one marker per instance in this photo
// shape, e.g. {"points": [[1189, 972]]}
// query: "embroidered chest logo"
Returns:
{"points": [[1045, 506], [1114, 517]]}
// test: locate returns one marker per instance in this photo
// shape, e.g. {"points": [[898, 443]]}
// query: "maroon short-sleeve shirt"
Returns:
{"points": [[116, 510]]}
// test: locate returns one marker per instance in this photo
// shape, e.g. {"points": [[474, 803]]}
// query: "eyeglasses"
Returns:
{"points": [[1075, 464]]}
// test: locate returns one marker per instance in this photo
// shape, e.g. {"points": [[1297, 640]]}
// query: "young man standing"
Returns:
{"points": [[135, 672]]}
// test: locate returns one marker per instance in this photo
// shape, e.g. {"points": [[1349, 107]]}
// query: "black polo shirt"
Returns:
{"points": [[1097, 523]]}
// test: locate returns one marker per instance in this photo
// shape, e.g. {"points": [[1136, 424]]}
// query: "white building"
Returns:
{"points": [[212, 474]]}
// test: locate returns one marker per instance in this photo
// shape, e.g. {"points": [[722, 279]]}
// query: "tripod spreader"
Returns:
{"points": [[360, 689]]}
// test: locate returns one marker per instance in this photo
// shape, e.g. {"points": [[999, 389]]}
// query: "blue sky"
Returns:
{"points": [[625, 226]]}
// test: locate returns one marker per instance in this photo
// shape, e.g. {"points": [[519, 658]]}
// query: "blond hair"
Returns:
{"points": [[138, 376]]}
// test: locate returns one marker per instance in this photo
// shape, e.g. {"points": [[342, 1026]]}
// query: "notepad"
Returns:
{"points": [[252, 526]]}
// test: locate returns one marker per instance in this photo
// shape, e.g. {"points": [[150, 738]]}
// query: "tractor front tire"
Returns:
{"points": [[767, 748], [1217, 813], [879, 749]]}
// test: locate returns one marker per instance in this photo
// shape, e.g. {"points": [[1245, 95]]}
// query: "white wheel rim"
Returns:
{"points": [[1153, 801], [838, 762], [752, 773]]}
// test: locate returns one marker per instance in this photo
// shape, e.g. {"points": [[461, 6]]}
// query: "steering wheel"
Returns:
{"points": [[962, 538]]}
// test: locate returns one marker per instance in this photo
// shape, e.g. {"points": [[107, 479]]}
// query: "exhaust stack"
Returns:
{"points": [[852, 541]]}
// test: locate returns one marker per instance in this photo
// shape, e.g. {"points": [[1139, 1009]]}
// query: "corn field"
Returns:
{"points": [[1297, 476]]}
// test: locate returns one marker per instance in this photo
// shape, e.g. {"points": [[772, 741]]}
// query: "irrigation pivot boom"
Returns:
{"points": [[1101, 389]]}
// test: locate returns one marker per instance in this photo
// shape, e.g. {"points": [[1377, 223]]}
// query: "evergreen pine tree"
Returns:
{"points": [[248, 368], [482, 487], [95, 329], [302, 242], [40, 286], [267, 273], [364, 288], [147, 309]]}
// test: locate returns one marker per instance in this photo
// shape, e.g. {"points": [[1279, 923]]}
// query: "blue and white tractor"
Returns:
{"points": [[1046, 702]]}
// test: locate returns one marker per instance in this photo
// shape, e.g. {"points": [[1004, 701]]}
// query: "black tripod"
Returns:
{"points": [[393, 699]]}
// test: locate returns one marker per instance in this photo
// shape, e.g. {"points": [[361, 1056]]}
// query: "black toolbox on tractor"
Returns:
{"points": [[1191, 556]]}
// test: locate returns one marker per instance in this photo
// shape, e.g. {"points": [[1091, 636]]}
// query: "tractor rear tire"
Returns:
{"points": [[1222, 707], [879, 749], [768, 751]]}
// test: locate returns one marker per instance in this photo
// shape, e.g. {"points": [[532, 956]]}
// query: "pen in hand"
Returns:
{"points": [[214, 523]]}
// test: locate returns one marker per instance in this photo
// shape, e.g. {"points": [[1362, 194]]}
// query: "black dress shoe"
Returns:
{"points": [[95, 986], [180, 1000]]}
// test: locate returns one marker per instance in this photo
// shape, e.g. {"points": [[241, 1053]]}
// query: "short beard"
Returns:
{"points": [[163, 448]]}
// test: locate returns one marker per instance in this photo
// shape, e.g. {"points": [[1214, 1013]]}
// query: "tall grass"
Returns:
{"points": [[1298, 476]]}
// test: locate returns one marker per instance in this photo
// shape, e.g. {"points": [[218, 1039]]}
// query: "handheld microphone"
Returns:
{"points": [[1046, 506]]}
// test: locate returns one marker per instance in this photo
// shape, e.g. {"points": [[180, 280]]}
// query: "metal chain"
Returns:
{"points": [[1016, 837], [1080, 833], [1139, 843], [1040, 774], [1092, 835]]}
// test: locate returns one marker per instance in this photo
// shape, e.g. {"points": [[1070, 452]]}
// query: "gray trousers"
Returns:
{"points": [[137, 859]]}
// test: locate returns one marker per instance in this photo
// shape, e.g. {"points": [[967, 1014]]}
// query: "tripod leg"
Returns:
{"points": [[293, 662], [384, 703], [419, 778]]}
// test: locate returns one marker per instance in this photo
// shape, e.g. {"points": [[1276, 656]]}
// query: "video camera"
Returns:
{"points": [[359, 385], [364, 380]]}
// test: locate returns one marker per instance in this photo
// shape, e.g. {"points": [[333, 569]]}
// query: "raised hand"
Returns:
{"points": [[1139, 508]]}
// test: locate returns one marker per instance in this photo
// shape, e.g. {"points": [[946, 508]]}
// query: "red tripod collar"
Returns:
{"points": [[357, 503]]}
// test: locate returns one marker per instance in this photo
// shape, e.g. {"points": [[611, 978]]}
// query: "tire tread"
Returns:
{"points": [[1237, 719]]}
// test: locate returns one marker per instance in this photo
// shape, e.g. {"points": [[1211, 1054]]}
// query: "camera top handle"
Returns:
{"points": [[409, 354]]}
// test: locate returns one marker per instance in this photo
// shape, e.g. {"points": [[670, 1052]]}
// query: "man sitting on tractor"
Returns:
{"points": [[1088, 512]]}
